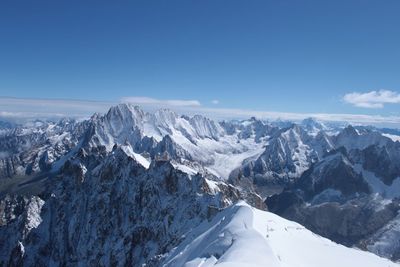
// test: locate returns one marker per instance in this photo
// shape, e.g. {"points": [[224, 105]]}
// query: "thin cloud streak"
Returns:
{"points": [[152, 101], [271, 115], [12, 107]]}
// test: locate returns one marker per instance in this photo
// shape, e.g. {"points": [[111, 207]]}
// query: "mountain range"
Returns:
{"points": [[136, 188]]}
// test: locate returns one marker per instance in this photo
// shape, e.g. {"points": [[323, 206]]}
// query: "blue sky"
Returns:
{"points": [[283, 56]]}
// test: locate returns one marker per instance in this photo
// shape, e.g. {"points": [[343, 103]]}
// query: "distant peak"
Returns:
{"points": [[166, 111], [95, 116], [309, 120], [125, 109], [350, 130]]}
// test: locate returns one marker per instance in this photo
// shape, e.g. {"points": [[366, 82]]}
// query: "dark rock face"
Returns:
{"points": [[18, 218], [115, 213], [167, 145], [334, 200], [336, 174], [349, 224], [280, 203], [383, 161], [349, 194]]}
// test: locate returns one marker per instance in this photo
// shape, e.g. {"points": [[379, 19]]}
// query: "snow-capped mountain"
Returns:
{"points": [[249, 128], [288, 153], [126, 187], [33, 147], [351, 138], [194, 138], [312, 126]]}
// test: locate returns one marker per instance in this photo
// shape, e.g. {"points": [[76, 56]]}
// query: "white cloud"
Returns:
{"points": [[159, 102], [215, 101], [50, 108], [373, 99]]}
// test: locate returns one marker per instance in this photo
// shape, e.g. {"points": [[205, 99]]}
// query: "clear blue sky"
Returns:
{"points": [[293, 56]]}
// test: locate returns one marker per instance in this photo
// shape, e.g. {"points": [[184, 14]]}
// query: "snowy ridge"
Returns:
{"points": [[352, 138], [139, 158], [245, 236], [395, 138]]}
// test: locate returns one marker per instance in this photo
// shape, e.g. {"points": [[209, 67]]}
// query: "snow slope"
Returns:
{"points": [[244, 236], [379, 187], [139, 158], [392, 136]]}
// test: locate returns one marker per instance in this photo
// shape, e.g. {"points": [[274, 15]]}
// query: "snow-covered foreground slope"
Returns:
{"points": [[244, 236]]}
